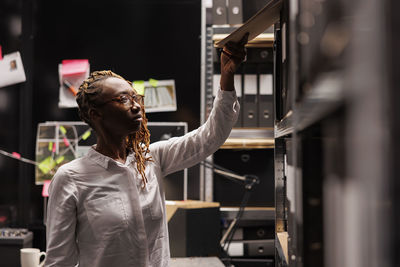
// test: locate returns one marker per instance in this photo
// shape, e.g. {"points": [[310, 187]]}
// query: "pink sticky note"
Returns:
{"points": [[45, 191], [74, 66], [16, 155], [66, 141]]}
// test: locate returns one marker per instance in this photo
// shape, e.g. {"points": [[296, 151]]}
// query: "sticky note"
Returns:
{"points": [[47, 165], [153, 82], [50, 146], [45, 190], [66, 143], [139, 87], [62, 129], [16, 155], [74, 66], [86, 134], [60, 159]]}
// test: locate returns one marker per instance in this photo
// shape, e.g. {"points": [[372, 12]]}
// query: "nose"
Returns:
{"points": [[135, 107]]}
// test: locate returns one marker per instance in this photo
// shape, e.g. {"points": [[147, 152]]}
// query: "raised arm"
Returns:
{"points": [[182, 152]]}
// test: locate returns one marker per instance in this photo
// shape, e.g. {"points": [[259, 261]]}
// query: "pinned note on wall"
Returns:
{"points": [[139, 87], [11, 70], [45, 190], [74, 66], [153, 82], [86, 134], [72, 72], [16, 155], [47, 164], [63, 130]]}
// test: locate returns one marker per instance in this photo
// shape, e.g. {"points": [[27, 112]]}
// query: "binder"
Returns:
{"points": [[266, 101], [250, 113], [235, 12], [219, 15]]}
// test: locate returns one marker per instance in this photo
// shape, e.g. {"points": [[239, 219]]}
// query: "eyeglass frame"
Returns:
{"points": [[132, 98]]}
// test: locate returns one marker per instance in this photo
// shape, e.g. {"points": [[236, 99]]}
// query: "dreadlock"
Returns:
{"points": [[88, 93]]}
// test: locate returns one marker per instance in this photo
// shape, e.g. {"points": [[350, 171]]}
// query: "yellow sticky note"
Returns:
{"points": [[153, 82], [59, 159], [47, 165], [86, 134], [50, 146], [139, 87], [62, 129]]}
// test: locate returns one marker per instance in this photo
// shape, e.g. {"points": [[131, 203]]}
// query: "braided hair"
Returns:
{"points": [[88, 94]]}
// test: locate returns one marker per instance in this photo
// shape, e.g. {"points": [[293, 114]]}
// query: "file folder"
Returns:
{"points": [[235, 12], [266, 101], [219, 15], [250, 113]]}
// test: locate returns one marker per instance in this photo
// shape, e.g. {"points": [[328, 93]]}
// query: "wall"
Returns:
{"points": [[139, 40]]}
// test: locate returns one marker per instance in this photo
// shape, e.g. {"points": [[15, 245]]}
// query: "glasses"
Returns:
{"points": [[125, 99]]}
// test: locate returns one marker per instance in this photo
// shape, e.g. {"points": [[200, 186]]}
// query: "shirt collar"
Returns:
{"points": [[103, 160]]}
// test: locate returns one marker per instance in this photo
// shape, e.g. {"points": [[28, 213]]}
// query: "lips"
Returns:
{"points": [[138, 118]]}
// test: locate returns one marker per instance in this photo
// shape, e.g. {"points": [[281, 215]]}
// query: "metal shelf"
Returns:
{"points": [[252, 133], [285, 126], [262, 40], [323, 97], [250, 213], [250, 138], [265, 39]]}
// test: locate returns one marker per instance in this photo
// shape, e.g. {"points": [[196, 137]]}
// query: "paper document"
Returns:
{"points": [[73, 73], [11, 69], [256, 24]]}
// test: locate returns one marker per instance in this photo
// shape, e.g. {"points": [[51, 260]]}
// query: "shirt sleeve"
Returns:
{"points": [[182, 152], [61, 221]]}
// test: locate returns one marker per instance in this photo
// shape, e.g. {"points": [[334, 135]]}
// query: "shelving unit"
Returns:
{"points": [[263, 40], [242, 150], [250, 138], [331, 168]]}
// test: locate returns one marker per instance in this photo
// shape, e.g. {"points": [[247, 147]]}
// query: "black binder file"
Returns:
{"points": [[266, 101], [219, 15], [235, 12], [250, 112]]}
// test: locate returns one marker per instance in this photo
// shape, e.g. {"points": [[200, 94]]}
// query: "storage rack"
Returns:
{"points": [[240, 139], [331, 167], [335, 171]]}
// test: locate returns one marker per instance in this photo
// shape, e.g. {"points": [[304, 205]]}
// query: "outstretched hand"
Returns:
{"points": [[233, 54]]}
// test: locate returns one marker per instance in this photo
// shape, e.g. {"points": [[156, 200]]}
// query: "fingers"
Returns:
{"points": [[236, 49], [233, 51], [244, 39]]}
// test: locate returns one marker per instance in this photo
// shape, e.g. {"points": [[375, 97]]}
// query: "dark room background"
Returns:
{"points": [[138, 39]]}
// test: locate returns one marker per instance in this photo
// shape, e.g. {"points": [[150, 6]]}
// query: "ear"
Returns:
{"points": [[95, 115]]}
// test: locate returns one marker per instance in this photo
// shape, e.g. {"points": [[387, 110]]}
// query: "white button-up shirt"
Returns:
{"points": [[98, 214]]}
